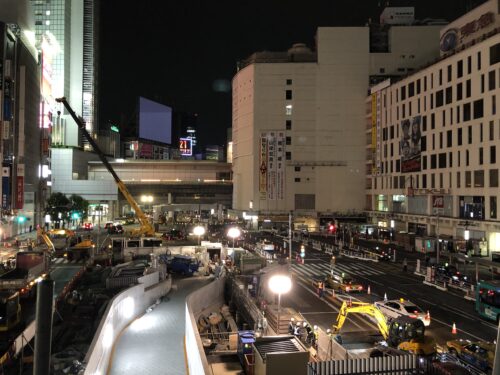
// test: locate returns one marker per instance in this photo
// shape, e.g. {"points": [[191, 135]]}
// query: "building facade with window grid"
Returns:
{"points": [[299, 119], [443, 181]]}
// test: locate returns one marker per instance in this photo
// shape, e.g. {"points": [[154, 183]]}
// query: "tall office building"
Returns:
{"points": [[71, 29], [433, 140], [299, 118]]}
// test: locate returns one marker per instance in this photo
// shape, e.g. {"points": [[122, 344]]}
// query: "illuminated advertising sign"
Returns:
{"points": [[410, 145], [186, 146]]}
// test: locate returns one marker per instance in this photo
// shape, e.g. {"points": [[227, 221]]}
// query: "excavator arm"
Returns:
{"points": [[145, 226], [46, 239], [362, 308]]}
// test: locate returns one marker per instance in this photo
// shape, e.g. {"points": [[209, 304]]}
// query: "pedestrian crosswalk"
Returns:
{"points": [[66, 261], [321, 269]]}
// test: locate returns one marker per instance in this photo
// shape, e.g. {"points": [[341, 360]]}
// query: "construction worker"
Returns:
{"points": [[291, 326], [297, 330], [316, 337], [321, 289]]}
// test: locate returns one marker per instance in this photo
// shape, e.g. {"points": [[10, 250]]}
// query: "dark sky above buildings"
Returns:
{"points": [[183, 53]]}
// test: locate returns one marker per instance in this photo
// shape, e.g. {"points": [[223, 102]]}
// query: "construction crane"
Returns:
{"points": [[404, 333], [145, 229]]}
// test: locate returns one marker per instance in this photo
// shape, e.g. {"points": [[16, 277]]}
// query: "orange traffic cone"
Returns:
{"points": [[369, 290], [385, 297], [428, 316], [454, 329], [333, 293]]}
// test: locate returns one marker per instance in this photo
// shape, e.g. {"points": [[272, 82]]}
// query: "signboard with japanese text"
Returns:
{"points": [[6, 187], [280, 166], [263, 167], [271, 165], [20, 186]]}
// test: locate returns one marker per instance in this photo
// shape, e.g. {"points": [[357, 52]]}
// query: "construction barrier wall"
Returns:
{"points": [[195, 303], [121, 311]]}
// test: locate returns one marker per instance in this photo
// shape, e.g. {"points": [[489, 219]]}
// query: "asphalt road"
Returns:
{"points": [[388, 278]]}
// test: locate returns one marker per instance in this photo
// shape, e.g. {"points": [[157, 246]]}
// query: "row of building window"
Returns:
{"points": [[463, 179], [414, 88]]}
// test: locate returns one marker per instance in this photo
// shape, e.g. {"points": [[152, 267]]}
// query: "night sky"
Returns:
{"points": [[183, 53]]}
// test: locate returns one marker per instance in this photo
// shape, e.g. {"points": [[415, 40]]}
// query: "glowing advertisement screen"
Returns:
{"points": [[186, 146], [155, 121]]}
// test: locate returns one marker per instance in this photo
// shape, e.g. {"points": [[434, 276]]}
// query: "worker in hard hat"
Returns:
{"points": [[291, 326]]}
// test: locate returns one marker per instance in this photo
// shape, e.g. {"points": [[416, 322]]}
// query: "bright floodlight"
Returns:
{"points": [[234, 232], [280, 284], [466, 235], [199, 231]]}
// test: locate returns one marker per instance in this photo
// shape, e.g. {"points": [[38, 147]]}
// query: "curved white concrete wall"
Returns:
{"points": [[196, 302], [123, 309]]}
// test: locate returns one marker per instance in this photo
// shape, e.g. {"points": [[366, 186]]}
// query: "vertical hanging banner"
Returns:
{"points": [[263, 167], [20, 186], [271, 166], [280, 166], [6, 187]]}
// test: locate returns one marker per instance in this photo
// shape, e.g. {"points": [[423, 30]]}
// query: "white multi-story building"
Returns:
{"points": [[433, 140], [299, 118]]}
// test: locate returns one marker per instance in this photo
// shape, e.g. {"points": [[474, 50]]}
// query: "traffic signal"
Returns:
{"points": [[21, 219], [332, 228], [75, 215], [302, 251]]}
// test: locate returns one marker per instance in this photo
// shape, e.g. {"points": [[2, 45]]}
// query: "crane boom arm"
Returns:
{"points": [[146, 227], [362, 308], [43, 235]]}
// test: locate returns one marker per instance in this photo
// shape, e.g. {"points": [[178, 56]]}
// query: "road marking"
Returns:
{"points": [[492, 326], [397, 290], [461, 330], [428, 302], [463, 315]]}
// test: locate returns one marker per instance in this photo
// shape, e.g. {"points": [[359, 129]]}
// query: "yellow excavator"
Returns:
{"points": [[403, 333], [145, 229]]}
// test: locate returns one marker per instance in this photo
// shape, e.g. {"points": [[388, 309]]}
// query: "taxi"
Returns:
{"points": [[479, 354], [343, 283], [395, 308]]}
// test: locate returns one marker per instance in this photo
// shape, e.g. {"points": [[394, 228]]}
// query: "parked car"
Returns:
{"points": [[395, 308], [183, 264], [479, 354]]}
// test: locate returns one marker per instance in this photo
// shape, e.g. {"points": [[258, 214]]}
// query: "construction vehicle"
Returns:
{"points": [[145, 229], [46, 239], [403, 333]]}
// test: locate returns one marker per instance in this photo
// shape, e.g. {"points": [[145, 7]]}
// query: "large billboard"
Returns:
{"points": [[155, 121], [272, 165], [410, 145]]}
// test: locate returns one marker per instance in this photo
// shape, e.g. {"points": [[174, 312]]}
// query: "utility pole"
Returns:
{"points": [[437, 237]]}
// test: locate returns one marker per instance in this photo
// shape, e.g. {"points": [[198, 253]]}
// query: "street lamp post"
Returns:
{"points": [[279, 284], [234, 233], [199, 231]]}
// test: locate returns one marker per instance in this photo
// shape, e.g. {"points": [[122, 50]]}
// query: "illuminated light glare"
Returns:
{"points": [[30, 36], [280, 284], [466, 235], [392, 223], [234, 232], [107, 339], [120, 160], [199, 231], [128, 307]]}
